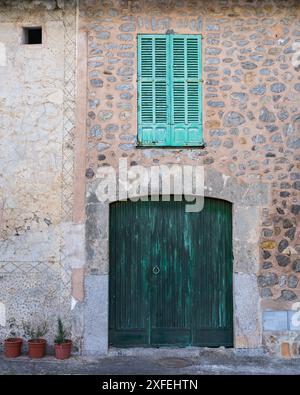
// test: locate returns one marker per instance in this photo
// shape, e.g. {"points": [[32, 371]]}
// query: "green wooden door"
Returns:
{"points": [[170, 274]]}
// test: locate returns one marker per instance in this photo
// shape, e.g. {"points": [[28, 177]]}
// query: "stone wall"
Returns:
{"points": [[251, 130], [251, 112], [36, 163]]}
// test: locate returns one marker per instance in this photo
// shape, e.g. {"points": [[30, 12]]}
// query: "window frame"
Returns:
{"points": [[170, 97]]}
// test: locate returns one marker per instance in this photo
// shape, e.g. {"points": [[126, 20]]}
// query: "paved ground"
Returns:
{"points": [[206, 362]]}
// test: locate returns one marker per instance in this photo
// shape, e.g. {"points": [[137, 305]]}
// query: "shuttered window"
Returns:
{"points": [[169, 90]]}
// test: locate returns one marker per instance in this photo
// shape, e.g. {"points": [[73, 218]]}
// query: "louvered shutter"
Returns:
{"points": [[169, 90], [153, 122], [186, 82]]}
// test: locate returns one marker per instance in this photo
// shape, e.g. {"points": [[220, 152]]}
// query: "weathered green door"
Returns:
{"points": [[170, 274]]}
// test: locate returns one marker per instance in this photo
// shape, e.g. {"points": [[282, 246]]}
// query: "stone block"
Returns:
{"points": [[248, 333], [293, 320], [246, 222], [256, 195], [97, 236], [285, 350], [275, 321], [95, 338], [246, 257]]}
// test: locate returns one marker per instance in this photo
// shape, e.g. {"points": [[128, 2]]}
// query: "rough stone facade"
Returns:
{"points": [[251, 129]]}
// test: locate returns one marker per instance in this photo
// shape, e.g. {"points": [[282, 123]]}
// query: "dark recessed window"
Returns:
{"points": [[32, 35]]}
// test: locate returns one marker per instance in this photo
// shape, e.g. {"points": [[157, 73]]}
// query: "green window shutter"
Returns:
{"points": [[186, 82], [169, 90], [153, 117]]}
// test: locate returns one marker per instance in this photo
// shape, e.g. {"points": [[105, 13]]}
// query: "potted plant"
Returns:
{"points": [[62, 344], [13, 347], [36, 343], [13, 343]]}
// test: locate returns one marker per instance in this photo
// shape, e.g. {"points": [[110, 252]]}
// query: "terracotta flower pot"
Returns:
{"points": [[36, 348], [12, 347], [63, 350]]}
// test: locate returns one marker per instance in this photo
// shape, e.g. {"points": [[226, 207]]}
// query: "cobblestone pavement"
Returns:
{"points": [[205, 363]]}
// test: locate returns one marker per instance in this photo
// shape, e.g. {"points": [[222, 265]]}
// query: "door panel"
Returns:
{"points": [[170, 287], [212, 275], [129, 294], [170, 274]]}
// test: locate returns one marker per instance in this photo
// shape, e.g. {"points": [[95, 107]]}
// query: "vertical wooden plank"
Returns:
{"points": [[212, 277], [170, 310], [128, 276]]}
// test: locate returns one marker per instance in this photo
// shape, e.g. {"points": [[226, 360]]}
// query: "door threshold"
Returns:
{"points": [[165, 352]]}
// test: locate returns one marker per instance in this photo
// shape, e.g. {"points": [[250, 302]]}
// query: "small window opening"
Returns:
{"points": [[32, 35]]}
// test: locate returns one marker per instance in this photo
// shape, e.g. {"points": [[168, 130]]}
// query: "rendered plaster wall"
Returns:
{"points": [[251, 94], [36, 165]]}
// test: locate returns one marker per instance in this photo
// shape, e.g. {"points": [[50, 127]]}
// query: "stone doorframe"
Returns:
{"points": [[247, 200]]}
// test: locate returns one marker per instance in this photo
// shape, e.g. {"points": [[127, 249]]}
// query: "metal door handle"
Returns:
{"points": [[156, 270]]}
